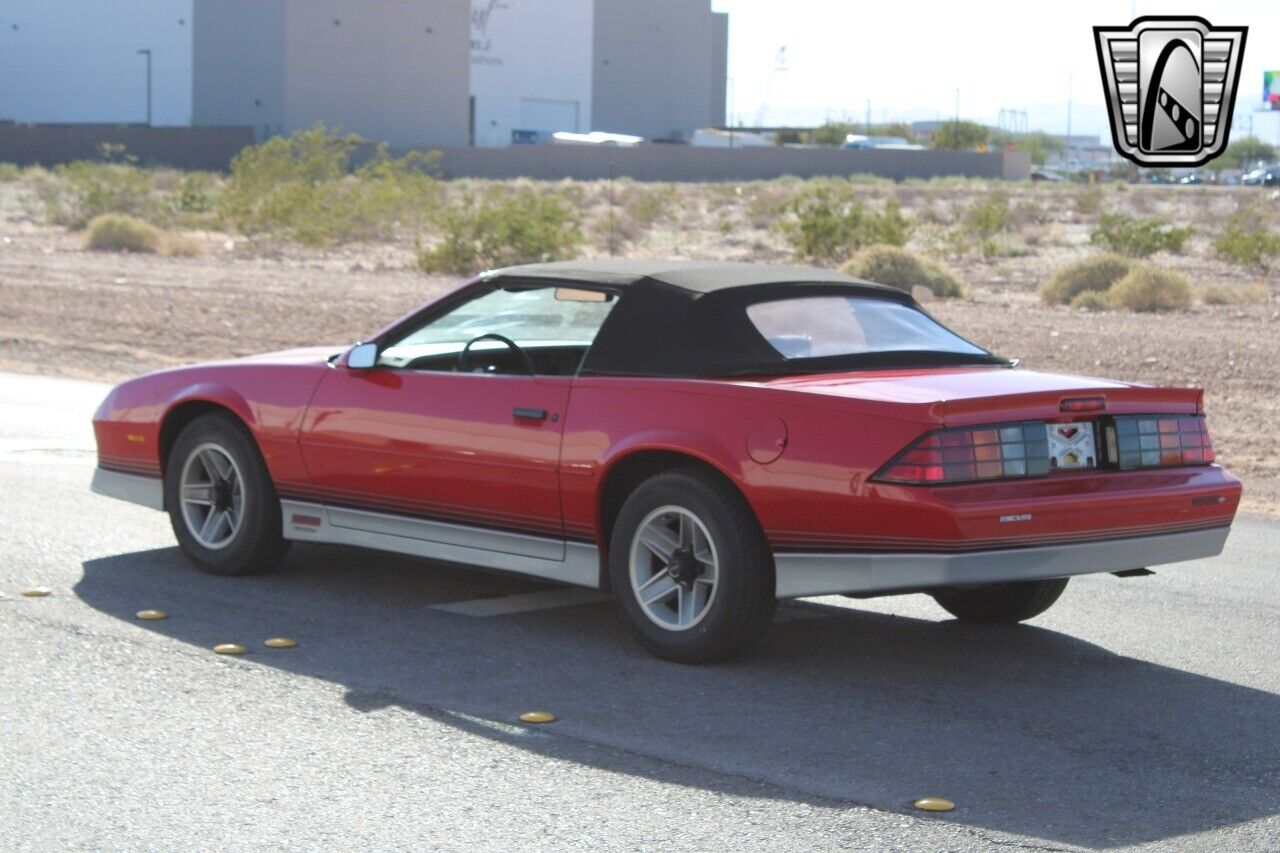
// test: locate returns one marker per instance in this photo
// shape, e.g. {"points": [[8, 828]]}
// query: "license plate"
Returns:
{"points": [[1072, 445]]}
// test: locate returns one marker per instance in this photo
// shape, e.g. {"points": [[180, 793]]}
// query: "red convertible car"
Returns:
{"points": [[702, 439]]}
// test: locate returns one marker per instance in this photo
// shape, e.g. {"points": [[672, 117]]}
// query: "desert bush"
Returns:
{"points": [[983, 225], [989, 216], [178, 245], [118, 232], [9, 172], [649, 204], [1088, 201], [1091, 300], [301, 187], [1248, 239], [1233, 294], [1148, 288], [507, 228], [197, 193], [1138, 238], [896, 267], [75, 193], [1097, 273], [826, 222]]}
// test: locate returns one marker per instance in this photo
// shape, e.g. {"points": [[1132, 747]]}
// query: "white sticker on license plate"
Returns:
{"points": [[1072, 445]]}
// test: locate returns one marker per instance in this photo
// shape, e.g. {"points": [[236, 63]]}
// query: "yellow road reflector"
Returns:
{"points": [[537, 717], [151, 615], [36, 591], [934, 804], [280, 643], [230, 649]]}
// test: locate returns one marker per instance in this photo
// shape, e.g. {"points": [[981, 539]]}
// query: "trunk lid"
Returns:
{"points": [[972, 395]]}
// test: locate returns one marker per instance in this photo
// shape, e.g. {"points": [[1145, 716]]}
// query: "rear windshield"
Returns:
{"points": [[819, 326]]}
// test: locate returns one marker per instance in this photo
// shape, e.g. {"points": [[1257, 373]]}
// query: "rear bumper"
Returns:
{"points": [[134, 488], [800, 574]]}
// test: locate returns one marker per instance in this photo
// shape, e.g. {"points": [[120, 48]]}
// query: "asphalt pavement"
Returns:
{"points": [[1136, 712]]}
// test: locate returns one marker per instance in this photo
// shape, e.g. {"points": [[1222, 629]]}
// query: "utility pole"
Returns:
{"points": [[147, 53], [1071, 79], [868, 130]]}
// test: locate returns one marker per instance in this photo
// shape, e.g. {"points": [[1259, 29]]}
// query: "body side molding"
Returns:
{"points": [[576, 563]]}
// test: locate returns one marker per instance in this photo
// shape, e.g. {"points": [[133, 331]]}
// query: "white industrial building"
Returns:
{"points": [[408, 72]]}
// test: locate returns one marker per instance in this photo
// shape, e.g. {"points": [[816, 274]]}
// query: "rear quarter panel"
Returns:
{"points": [[832, 445]]}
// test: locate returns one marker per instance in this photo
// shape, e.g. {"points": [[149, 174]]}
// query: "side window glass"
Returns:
{"points": [[549, 328]]}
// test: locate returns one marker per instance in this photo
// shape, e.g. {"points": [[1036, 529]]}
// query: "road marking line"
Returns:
{"points": [[507, 604]]}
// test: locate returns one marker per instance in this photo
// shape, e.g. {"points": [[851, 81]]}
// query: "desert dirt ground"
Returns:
{"points": [[68, 311]]}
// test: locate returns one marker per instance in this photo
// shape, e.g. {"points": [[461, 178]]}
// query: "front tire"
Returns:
{"points": [[690, 568], [1001, 603], [222, 504]]}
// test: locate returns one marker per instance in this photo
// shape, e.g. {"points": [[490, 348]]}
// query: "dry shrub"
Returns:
{"points": [[178, 245], [1148, 288], [1088, 201], [1091, 300], [1097, 273], [119, 232], [904, 270], [1234, 294]]}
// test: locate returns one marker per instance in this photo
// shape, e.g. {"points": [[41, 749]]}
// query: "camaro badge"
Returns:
{"points": [[1171, 85]]}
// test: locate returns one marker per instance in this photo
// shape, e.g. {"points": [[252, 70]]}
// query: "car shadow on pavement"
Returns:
{"points": [[1030, 731]]}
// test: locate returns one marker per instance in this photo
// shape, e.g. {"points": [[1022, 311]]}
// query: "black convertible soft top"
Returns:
{"points": [[689, 319]]}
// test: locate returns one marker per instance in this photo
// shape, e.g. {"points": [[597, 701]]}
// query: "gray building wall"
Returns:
{"points": [[719, 67], [392, 71], [650, 74], [181, 147], [238, 64], [687, 163]]}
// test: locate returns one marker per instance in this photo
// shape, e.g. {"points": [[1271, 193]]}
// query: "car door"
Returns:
{"points": [[460, 445], [470, 449]]}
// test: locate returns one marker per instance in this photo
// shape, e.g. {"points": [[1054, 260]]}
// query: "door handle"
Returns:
{"points": [[525, 413]]}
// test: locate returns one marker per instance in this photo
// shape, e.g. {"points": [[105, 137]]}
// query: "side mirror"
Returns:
{"points": [[362, 357]]}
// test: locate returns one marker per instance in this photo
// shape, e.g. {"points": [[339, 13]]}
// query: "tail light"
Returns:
{"points": [[1020, 450], [1155, 441], [963, 455]]}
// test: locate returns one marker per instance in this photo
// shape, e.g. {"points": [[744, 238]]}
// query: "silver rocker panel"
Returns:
{"points": [[576, 563]]}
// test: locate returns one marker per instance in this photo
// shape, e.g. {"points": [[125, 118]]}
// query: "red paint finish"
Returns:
{"points": [[801, 449], [445, 445], [766, 440]]}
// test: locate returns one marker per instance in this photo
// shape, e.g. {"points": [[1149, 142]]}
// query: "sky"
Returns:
{"points": [[909, 57]]}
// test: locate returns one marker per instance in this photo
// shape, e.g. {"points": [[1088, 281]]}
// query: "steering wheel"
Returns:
{"points": [[511, 345]]}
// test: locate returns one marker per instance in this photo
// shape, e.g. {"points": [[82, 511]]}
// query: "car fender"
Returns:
{"points": [[216, 393], [704, 448]]}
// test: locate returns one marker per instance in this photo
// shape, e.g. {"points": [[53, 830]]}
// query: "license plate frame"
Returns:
{"points": [[1072, 446]]}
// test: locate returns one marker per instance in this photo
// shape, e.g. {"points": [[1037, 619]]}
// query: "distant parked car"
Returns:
{"points": [[1193, 178], [1258, 177], [1046, 175]]}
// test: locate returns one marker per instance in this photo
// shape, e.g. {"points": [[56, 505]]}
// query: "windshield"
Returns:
{"points": [[823, 326]]}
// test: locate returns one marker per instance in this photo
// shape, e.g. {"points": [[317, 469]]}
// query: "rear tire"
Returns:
{"points": [[690, 568], [222, 504], [1001, 603]]}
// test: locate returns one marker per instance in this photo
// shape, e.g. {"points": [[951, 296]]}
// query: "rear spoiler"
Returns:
{"points": [[1132, 400]]}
